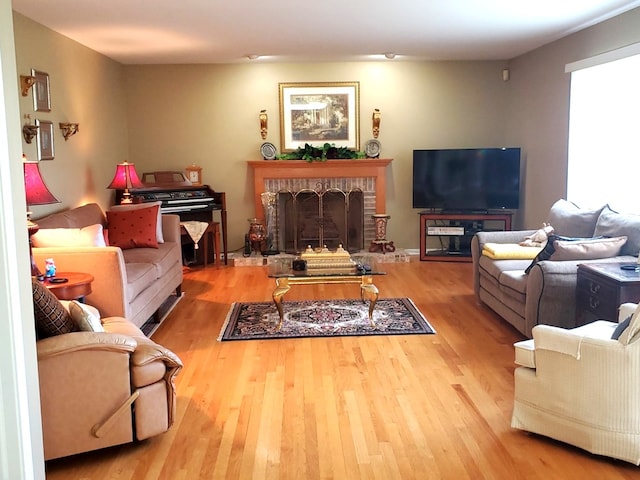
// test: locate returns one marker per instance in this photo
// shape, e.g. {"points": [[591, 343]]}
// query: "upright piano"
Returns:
{"points": [[188, 201]]}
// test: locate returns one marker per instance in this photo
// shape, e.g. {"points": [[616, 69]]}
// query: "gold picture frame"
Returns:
{"points": [[316, 113]]}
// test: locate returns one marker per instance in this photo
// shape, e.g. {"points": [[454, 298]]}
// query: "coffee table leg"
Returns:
{"points": [[282, 287], [369, 292]]}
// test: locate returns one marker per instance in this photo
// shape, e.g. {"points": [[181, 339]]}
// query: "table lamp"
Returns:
{"points": [[125, 178], [37, 193]]}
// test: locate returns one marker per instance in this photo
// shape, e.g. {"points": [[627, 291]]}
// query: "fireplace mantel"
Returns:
{"points": [[365, 167]]}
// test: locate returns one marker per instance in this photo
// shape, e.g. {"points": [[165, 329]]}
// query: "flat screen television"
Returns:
{"points": [[471, 179]]}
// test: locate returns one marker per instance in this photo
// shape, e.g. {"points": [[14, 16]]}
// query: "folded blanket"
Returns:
{"points": [[511, 251]]}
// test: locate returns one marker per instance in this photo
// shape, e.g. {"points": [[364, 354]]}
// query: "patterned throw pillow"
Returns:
{"points": [[133, 228], [51, 317]]}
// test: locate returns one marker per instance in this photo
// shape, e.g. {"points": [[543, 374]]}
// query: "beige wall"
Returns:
{"points": [[208, 114], [86, 88], [167, 117]]}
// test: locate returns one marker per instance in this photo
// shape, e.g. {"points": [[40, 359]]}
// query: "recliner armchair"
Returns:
{"points": [[104, 389], [581, 387]]}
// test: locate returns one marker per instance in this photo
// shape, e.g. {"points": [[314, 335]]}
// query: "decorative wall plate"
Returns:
{"points": [[372, 148], [268, 151]]}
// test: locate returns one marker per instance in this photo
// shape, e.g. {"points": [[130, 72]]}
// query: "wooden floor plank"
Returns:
{"points": [[383, 407]]}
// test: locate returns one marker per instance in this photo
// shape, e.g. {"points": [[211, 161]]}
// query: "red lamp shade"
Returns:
{"points": [[125, 178], [34, 186], [37, 193]]}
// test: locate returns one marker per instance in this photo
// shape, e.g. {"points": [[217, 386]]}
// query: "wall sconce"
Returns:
{"points": [[69, 129], [29, 131], [375, 120], [263, 124], [26, 82]]}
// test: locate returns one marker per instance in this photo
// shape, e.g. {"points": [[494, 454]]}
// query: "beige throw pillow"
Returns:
{"points": [[86, 317], [589, 249], [90, 236]]}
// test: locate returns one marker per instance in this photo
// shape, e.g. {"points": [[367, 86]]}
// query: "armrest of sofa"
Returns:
{"points": [[84, 342], [106, 264], [171, 228], [551, 294]]}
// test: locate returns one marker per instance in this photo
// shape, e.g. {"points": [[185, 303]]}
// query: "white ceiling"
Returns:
{"points": [[227, 31]]}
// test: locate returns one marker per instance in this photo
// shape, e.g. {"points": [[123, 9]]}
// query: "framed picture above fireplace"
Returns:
{"points": [[319, 113]]}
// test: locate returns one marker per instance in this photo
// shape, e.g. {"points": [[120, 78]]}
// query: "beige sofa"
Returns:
{"points": [[547, 294], [131, 283]]}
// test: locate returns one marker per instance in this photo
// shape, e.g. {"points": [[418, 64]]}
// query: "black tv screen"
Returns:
{"points": [[472, 179]]}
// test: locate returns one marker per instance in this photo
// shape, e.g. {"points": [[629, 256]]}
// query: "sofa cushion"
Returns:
{"points": [[137, 206], [611, 224], [89, 236], [78, 217], [569, 220], [163, 259], [139, 277], [50, 315], [133, 228]]}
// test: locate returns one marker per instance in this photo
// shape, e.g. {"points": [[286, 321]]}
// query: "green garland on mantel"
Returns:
{"points": [[328, 151]]}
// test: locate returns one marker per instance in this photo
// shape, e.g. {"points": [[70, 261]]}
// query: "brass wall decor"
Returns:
{"points": [[376, 122], [26, 82], [69, 129], [29, 131], [263, 124]]}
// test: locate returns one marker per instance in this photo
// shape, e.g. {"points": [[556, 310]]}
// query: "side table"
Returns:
{"points": [[77, 286], [601, 288]]}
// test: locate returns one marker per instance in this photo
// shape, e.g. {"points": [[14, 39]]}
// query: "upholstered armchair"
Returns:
{"points": [[580, 386], [99, 386]]}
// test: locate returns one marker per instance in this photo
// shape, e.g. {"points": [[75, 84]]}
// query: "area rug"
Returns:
{"points": [[323, 318], [150, 326]]}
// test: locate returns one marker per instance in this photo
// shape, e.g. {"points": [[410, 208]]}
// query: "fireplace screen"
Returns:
{"points": [[320, 217]]}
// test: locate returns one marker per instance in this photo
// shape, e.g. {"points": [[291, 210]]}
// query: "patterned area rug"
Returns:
{"points": [[323, 318]]}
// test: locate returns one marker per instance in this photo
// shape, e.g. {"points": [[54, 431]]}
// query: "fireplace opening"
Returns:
{"points": [[330, 217]]}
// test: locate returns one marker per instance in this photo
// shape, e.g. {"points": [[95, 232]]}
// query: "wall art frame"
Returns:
{"points": [[41, 91], [319, 112], [45, 140]]}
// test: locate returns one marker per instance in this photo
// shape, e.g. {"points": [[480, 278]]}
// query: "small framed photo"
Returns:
{"points": [[319, 113], [41, 91], [45, 140], [194, 174]]}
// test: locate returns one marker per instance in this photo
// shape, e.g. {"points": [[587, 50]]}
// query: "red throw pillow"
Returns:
{"points": [[133, 228]]}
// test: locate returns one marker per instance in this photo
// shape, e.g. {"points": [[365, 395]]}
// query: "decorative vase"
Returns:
{"points": [[256, 235], [380, 220]]}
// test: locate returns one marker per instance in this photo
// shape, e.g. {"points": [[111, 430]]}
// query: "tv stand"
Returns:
{"points": [[446, 237]]}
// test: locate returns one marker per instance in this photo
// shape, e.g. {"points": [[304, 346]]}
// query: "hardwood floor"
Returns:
{"points": [[383, 407]]}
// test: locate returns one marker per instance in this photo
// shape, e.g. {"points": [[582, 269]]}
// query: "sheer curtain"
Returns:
{"points": [[604, 131]]}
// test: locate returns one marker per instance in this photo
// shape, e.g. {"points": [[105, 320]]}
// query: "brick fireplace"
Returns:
{"points": [[365, 175]]}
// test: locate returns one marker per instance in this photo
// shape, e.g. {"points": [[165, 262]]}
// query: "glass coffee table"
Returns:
{"points": [[285, 277]]}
